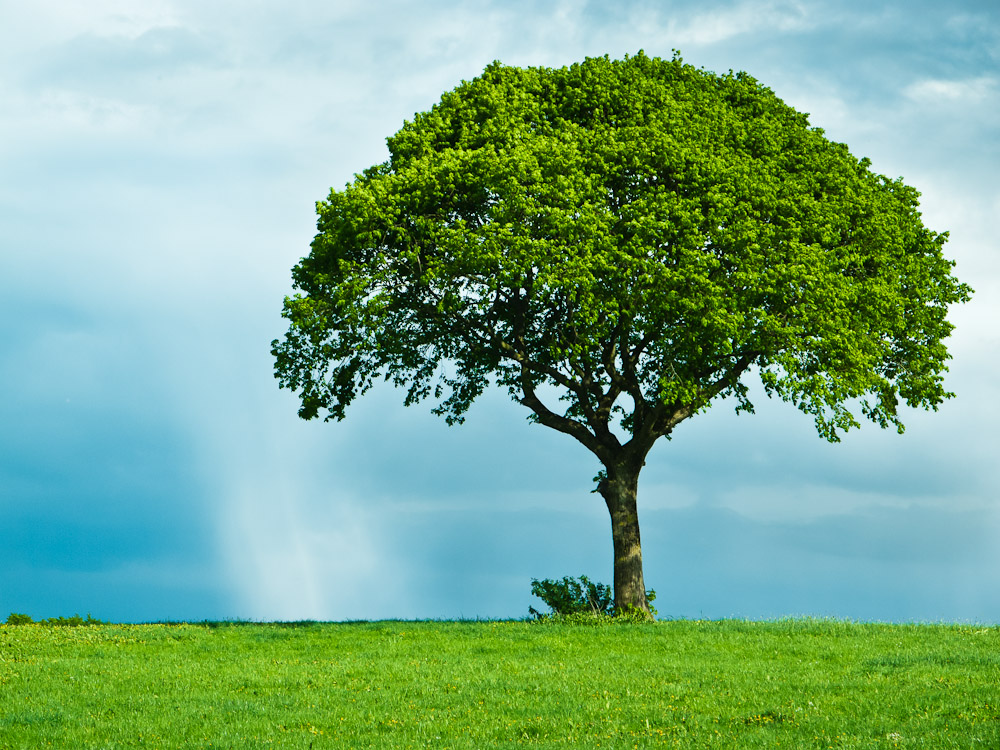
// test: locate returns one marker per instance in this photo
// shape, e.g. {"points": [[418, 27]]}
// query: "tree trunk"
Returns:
{"points": [[618, 488]]}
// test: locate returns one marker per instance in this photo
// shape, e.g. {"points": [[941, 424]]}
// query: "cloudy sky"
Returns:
{"points": [[159, 165]]}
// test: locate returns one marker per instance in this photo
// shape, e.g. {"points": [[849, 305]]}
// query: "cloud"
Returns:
{"points": [[52, 21], [967, 92], [90, 60], [721, 24]]}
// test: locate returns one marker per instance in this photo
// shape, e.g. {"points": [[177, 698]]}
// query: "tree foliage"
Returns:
{"points": [[634, 229]]}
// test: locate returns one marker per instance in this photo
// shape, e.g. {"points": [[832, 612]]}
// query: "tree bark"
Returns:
{"points": [[618, 488]]}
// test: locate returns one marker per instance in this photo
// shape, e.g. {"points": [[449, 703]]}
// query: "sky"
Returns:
{"points": [[159, 167]]}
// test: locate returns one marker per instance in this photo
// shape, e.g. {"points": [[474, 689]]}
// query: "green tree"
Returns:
{"points": [[618, 243]]}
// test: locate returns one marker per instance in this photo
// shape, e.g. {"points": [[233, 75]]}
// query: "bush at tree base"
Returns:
{"points": [[577, 596]]}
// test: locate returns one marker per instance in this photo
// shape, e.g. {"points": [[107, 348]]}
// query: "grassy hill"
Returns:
{"points": [[688, 684]]}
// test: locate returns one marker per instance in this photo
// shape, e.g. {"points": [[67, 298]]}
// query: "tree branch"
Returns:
{"points": [[558, 422]]}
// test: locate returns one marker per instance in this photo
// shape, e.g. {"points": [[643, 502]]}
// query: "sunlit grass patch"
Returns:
{"points": [[795, 684]]}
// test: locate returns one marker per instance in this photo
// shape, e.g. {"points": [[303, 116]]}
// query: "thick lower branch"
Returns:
{"points": [[563, 424]]}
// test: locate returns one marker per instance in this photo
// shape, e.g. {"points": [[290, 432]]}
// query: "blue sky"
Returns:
{"points": [[159, 166]]}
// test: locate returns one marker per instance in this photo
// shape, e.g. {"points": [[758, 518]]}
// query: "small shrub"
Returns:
{"points": [[581, 597], [572, 596], [71, 622], [58, 622]]}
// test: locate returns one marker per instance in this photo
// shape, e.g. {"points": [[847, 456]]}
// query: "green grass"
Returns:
{"points": [[789, 684]]}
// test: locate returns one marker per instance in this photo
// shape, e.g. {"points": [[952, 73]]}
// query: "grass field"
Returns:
{"points": [[728, 684]]}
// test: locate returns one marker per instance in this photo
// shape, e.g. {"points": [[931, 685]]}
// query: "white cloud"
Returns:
{"points": [[965, 91], [82, 114], [43, 22], [721, 24]]}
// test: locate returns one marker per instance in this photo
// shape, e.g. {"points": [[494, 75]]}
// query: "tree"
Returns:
{"points": [[618, 243]]}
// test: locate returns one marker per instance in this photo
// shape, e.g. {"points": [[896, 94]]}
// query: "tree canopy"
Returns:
{"points": [[636, 234]]}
